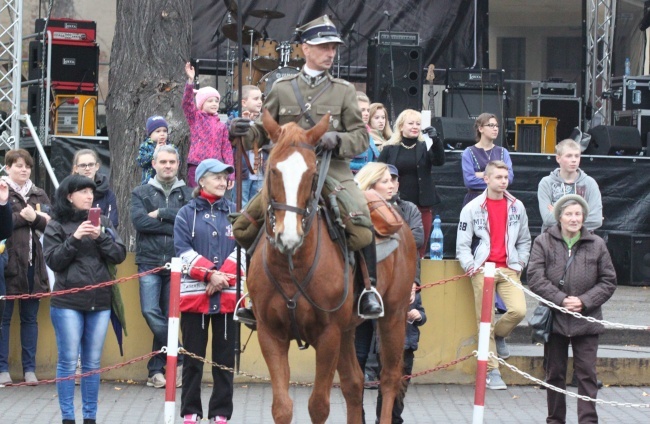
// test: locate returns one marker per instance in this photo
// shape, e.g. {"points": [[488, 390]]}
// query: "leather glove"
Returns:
{"points": [[239, 127], [330, 140], [431, 132]]}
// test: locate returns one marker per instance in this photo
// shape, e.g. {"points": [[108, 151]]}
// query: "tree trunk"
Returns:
{"points": [[150, 47]]}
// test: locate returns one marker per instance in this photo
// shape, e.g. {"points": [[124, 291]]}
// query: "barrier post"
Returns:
{"points": [[172, 339], [484, 342]]}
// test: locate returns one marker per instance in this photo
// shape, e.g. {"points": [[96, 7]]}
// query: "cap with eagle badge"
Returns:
{"points": [[320, 31]]}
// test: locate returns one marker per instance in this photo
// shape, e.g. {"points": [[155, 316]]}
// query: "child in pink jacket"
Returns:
{"points": [[208, 135]]}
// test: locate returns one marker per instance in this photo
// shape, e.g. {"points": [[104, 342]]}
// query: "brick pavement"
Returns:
{"points": [[135, 403]]}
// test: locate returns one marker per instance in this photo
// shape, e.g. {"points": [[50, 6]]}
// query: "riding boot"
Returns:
{"points": [[370, 305], [247, 317]]}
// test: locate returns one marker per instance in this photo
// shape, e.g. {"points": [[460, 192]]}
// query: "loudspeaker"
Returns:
{"points": [[608, 140], [407, 75], [631, 257], [469, 104], [567, 110], [70, 62], [34, 105], [457, 133]]}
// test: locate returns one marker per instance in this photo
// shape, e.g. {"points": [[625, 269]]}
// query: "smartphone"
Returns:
{"points": [[93, 216]]}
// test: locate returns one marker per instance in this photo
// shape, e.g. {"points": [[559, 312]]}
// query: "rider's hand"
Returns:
{"points": [[239, 127], [330, 140]]}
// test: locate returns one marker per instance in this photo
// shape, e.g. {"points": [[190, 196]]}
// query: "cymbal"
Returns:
{"points": [[231, 5], [267, 14], [230, 31]]}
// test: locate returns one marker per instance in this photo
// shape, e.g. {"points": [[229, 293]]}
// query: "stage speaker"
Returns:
{"points": [[608, 140], [34, 105], [406, 93], [469, 104], [457, 133], [567, 110], [631, 257], [70, 62]]}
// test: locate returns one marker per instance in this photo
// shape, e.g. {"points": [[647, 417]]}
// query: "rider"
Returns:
{"points": [[305, 98]]}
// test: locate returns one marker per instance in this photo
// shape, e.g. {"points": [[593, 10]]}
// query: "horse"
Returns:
{"points": [[299, 283]]}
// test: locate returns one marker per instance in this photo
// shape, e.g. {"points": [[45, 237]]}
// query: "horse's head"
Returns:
{"points": [[290, 181]]}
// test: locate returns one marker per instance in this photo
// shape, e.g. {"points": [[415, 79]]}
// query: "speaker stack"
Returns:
{"points": [[73, 75], [395, 72], [471, 92], [631, 257]]}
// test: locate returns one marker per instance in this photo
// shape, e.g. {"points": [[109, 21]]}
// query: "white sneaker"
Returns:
{"points": [[5, 378], [502, 347], [30, 378], [158, 381], [494, 381]]}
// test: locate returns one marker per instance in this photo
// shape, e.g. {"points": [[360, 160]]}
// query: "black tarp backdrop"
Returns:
{"points": [[446, 28], [64, 148], [623, 183]]}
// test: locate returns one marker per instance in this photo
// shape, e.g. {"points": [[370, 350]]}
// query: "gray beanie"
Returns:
{"points": [[557, 208]]}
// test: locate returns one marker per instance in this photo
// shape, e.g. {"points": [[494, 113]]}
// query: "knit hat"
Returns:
{"points": [[211, 165], [204, 94], [155, 122], [557, 208]]}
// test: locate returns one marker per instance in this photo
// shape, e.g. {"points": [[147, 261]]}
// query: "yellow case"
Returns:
{"points": [[75, 115], [535, 134]]}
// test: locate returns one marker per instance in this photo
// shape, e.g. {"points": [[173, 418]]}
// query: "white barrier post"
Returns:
{"points": [[172, 340], [484, 342]]}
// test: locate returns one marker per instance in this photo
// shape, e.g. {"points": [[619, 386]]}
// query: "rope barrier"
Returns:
{"points": [[85, 288], [89, 373], [575, 314], [566, 392], [441, 282]]}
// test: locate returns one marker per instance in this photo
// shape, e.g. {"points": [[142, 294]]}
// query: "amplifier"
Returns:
{"points": [[398, 38], [71, 30], [567, 89], [475, 79], [71, 62], [639, 118], [74, 115], [455, 133], [567, 110], [535, 134]]}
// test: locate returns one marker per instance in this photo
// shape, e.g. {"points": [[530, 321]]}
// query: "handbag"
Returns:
{"points": [[541, 323]]}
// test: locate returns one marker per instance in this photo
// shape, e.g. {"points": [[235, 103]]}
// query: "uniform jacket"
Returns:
{"points": [[80, 263], [412, 330], [552, 187], [426, 159], [18, 245], [208, 135], [154, 238], [340, 101], [590, 277], [203, 238], [105, 199], [474, 223]]}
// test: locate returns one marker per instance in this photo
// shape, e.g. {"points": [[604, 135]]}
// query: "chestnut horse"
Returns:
{"points": [[297, 270]]}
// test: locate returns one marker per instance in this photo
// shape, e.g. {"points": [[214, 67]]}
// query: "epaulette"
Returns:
{"points": [[339, 80], [288, 77]]}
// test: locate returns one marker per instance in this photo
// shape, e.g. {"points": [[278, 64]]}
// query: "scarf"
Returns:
{"points": [[23, 191]]}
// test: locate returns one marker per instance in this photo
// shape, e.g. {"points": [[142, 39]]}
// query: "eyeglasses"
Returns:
{"points": [[491, 125], [86, 165]]}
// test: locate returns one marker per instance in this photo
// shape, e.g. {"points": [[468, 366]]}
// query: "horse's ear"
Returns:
{"points": [[319, 129], [271, 127]]}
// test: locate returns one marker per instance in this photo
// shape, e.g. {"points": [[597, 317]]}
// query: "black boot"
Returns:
{"points": [[68, 421], [370, 306], [89, 421], [247, 317]]}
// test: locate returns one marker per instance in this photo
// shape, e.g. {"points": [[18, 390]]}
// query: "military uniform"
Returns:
{"points": [[340, 101]]}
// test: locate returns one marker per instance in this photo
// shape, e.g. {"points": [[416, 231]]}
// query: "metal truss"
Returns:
{"points": [[600, 22], [11, 29]]}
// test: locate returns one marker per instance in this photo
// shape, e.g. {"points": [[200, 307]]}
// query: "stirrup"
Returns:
{"points": [[381, 303], [237, 307]]}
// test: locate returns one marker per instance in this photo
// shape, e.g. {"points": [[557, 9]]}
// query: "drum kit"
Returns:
{"points": [[268, 61]]}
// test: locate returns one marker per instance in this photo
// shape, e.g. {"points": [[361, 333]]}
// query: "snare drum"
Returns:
{"points": [[267, 81], [250, 76], [266, 55], [297, 57]]}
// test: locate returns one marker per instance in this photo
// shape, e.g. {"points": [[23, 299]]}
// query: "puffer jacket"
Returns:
{"points": [[155, 236], [79, 263], [18, 245], [590, 277], [204, 239], [474, 223]]}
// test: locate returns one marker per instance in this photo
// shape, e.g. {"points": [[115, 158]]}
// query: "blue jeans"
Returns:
{"points": [[74, 330], [154, 302], [28, 329], [249, 188]]}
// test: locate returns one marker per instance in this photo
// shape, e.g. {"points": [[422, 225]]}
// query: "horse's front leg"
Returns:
{"points": [[392, 329], [276, 355], [351, 377], [327, 355]]}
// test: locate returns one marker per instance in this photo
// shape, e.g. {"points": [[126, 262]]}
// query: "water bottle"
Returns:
{"points": [[627, 66], [436, 246]]}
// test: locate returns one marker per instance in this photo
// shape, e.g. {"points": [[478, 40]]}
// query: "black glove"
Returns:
{"points": [[431, 132], [330, 140], [239, 127]]}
